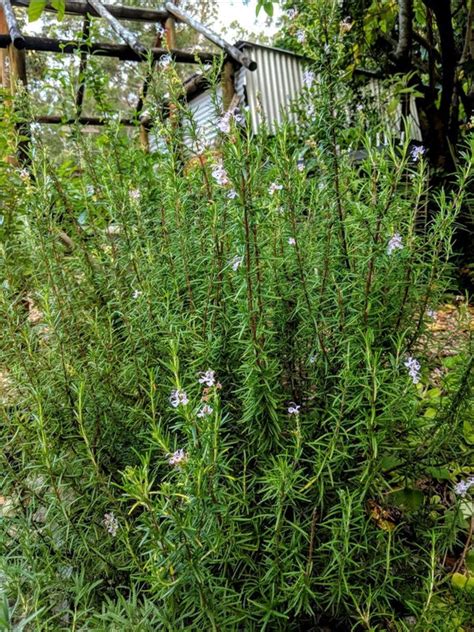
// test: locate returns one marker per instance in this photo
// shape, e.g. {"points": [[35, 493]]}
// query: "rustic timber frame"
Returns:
{"points": [[14, 46]]}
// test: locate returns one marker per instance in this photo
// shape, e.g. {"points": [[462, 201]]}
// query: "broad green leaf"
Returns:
{"points": [[35, 9], [470, 561], [463, 582], [468, 431], [408, 499], [60, 6], [430, 413], [439, 473]]}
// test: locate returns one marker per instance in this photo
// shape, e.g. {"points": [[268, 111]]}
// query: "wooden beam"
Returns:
{"points": [[127, 36], [119, 51], [82, 120], [13, 28], [234, 52], [76, 7], [228, 86]]}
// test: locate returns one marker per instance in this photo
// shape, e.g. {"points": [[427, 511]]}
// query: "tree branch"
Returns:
{"points": [[405, 32]]}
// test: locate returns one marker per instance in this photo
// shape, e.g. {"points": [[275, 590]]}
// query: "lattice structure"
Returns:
{"points": [[14, 46]]}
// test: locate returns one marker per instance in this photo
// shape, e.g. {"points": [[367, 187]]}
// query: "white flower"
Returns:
{"points": [[110, 522], [24, 174], [395, 243], [178, 398], [135, 194], [136, 293], [165, 61], [417, 152], [220, 174], [300, 36], [236, 262], [294, 409], [274, 187], [207, 377], [431, 313], [292, 241], [461, 488], [178, 458], [292, 13], [160, 30], [359, 107], [413, 367], [327, 49], [312, 358], [308, 78], [205, 411], [232, 194]]}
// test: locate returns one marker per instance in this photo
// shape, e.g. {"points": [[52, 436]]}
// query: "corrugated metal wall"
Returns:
{"points": [[273, 87], [205, 110]]}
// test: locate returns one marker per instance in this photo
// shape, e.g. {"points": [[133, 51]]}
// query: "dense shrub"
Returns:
{"points": [[218, 410]]}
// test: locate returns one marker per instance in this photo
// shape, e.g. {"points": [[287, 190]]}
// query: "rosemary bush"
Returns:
{"points": [[215, 386]]}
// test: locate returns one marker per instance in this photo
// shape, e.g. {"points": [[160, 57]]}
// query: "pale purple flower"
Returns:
{"points": [[431, 313], [135, 194], [274, 187], [165, 61], [110, 522], [300, 165], [224, 123], [461, 488], [205, 411], [24, 174], [232, 194], [292, 13], [160, 31], [236, 262], [417, 152], [308, 78], [312, 358], [359, 107], [294, 409], [178, 458], [136, 293], [207, 377], [395, 243], [178, 398], [292, 241], [413, 367], [300, 36], [220, 174], [327, 49]]}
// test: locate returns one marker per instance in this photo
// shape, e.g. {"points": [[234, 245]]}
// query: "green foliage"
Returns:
{"points": [[140, 493]]}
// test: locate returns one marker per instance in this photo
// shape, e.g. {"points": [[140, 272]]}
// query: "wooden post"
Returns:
{"points": [[13, 73], [228, 87]]}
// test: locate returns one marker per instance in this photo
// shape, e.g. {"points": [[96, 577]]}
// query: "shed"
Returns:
{"points": [[269, 91]]}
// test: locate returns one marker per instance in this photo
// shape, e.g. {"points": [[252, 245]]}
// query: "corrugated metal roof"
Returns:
{"points": [[205, 110]]}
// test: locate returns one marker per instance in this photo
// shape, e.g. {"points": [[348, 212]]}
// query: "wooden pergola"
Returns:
{"points": [[14, 46]]}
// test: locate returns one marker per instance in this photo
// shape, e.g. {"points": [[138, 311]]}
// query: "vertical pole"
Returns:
{"points": [[13, 73], [228, 86]]}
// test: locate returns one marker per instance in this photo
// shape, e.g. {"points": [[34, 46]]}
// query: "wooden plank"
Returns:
{"points": [[231, 50], [119, 51], [127, 36], [76, 7], [13, 28]]}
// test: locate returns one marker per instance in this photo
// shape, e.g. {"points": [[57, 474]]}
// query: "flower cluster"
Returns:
{"points": [[220, 174], [274, 187], [395, 243], [308, 78], [236, 262], [300, 36], [178, 458], [225, 121], [208, 378], [110, 522], [178, 398], [205, 411], [413, 367], [417, 152], [165, 61], [461, 488]]}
